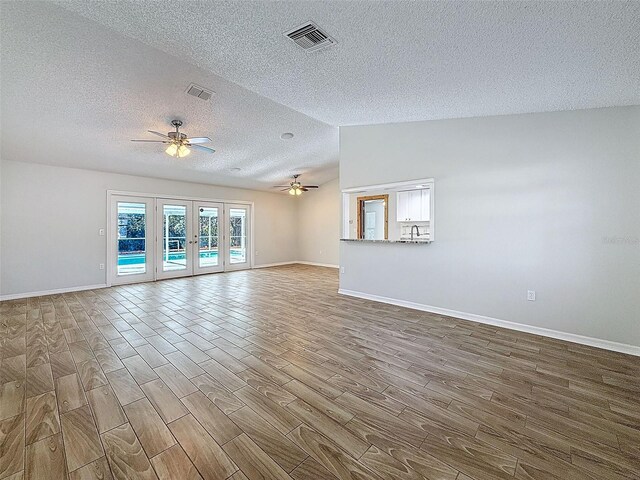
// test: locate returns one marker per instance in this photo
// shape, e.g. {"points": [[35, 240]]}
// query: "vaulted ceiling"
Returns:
{"points": [[79, 79]]}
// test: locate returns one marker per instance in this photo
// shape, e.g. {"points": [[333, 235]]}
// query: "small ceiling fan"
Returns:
{"points": [[295, 187], [179, 143]]}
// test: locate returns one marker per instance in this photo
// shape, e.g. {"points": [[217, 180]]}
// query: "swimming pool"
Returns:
{"points": [[237, 255], [139, 258]]}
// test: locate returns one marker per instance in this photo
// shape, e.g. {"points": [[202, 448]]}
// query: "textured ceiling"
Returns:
{"points": [[401, 61], [73, 93], [79, 79]]}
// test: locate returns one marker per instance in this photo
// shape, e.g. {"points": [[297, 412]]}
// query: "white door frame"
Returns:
{"points": [[112, 233], [227, 247], [197, 269], [161, 274]]}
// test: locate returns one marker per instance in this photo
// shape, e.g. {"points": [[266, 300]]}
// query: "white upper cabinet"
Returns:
{"points": [[414, 206]]}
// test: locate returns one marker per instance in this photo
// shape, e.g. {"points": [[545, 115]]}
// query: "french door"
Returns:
{"points": [[159, 238], [208, 239], [237, 237], [132, 237], [174, 238]]}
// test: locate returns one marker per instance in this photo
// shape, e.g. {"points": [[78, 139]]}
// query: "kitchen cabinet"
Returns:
{"points": [[413, 206]]}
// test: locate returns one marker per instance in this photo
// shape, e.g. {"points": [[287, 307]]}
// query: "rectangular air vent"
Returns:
{"points": [[309, 37], [200, 92]]}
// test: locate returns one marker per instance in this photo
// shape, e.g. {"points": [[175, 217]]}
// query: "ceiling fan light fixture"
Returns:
{"points": [[172, 150], [179, 143], [295, 187], [183, 151]]}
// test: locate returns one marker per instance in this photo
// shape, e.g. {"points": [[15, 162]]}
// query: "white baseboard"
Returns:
{"points": [[545, 332], [315, 264], [296, 262], [278, 264], [57, 291]]}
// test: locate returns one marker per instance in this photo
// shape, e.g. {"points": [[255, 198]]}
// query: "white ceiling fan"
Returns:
{"points": [[179, 143], [295, 187]]}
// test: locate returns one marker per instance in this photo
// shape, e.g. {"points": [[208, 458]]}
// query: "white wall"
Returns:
{"points": [[51, 217], [547, 202], [319, 224]]}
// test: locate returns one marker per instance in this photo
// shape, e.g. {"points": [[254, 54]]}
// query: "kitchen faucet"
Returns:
{"points": [[417, 231]]}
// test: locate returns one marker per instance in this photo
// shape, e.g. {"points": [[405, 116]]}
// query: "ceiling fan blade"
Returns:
{"points": [[158, 133], [198, 140], [200, 147], [150, 141], [304, 189], [310, 186], [285, 189], [282, 186]]}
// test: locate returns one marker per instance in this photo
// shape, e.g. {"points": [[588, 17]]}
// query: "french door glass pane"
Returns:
{"points": [[132, 246], [174, 240], [237, 235], [208, 237]]}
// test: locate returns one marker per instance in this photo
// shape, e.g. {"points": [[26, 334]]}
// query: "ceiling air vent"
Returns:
{"points": [[309, 37], [200, 92]]}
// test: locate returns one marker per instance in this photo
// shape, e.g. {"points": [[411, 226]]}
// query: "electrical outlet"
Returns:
{"points": [[531, 295], [101, 232], [102, 266], [320, 252], [256, 253], [341, 269]]}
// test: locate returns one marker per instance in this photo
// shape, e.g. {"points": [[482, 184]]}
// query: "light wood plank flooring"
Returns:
{"points": [[269, 374]]}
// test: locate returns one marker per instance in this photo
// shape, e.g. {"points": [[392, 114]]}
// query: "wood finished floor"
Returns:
{"points": [[269, 374]]}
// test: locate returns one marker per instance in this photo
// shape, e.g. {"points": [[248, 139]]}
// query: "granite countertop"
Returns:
{"points": [[361, 240]]}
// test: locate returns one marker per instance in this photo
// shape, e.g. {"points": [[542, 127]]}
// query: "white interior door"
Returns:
{"points": [[208, 221], [237, 239], [131, 239], [175, 238]]}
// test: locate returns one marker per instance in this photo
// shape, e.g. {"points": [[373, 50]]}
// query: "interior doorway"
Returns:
{"points": [[373, 217]]}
